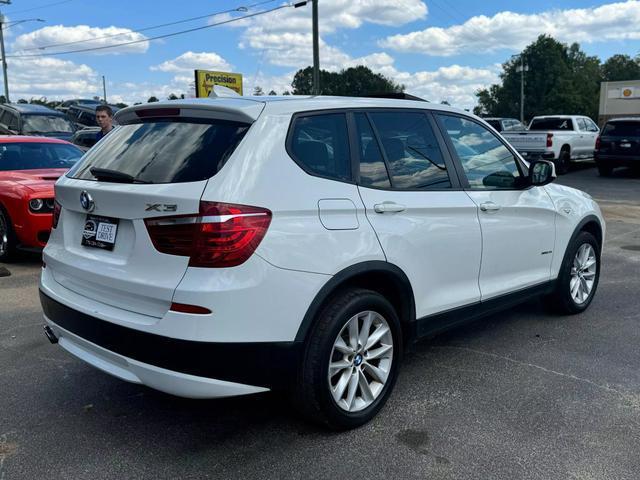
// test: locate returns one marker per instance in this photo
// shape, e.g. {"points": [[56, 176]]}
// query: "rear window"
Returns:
{"points": [[46, 124], [31, 156], [622, 129], [165, 151], [495, 124], [551, 124]]}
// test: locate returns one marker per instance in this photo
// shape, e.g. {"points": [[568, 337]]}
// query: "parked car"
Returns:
{"points": [[31, 119], [226, 246], [64, 106], [85, 138], [559, 138], [505, 124], [29, 166], [85, 115], [618, 145]]}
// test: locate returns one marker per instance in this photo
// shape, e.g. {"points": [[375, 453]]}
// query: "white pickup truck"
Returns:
{"points": [[560, 138]]}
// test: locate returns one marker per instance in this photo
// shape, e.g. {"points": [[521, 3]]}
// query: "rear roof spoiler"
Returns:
{"points": [[234, 109]]}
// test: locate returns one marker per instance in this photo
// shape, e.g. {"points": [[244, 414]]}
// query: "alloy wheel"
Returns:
{"points": [[4, 235], [360, 361], [583, 273]]}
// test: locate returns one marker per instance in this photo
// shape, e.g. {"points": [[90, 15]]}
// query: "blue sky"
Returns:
{"points": [[440, 50]]}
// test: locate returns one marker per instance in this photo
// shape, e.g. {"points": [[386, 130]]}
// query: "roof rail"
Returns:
{"points": [[398, 96]]}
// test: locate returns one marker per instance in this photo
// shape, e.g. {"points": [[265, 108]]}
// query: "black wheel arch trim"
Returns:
{"points": [[343, 278], [580, 227]]}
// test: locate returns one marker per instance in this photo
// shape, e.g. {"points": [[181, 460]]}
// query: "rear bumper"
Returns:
{"points": [[180, 367], [617, 160]]}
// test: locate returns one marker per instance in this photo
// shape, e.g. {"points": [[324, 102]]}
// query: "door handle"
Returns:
{"points": [[388, 207], [489, 207]]}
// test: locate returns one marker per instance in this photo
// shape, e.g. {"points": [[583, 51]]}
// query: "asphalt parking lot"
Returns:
{"points": [[519, 395]]}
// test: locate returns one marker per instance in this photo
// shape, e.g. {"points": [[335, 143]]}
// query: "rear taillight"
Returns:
{"points": [[220, 235], [598, 143], [57, 208], [549, 140]]}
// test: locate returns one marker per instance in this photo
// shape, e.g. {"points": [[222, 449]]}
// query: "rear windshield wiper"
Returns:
{"points": [[115, 176]]}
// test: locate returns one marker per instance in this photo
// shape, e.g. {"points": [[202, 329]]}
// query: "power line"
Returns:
{"points": [[41, 6], [182, 32], [238, 9]]}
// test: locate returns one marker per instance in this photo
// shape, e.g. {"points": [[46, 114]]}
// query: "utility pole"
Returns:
{"points": [[522, 68], [316, 50], [104, 90], [4, 57]]}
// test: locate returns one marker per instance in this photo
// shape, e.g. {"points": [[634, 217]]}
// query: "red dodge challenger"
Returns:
{"points": [[29, 166]]}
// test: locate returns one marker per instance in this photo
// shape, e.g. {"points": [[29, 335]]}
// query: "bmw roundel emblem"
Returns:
{"points": [[86, 201]]}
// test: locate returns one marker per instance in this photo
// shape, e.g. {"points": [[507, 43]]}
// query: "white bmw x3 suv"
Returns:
{"points": [[218, 247]]}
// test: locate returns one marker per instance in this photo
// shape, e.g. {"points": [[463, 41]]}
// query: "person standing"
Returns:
{"points": [[104, 119]]}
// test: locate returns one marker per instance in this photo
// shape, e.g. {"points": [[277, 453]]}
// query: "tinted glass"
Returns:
{"points": [[495, 124], [373, 172], [45, 124], [165, 151], [413, 154], [30, 156], [486, 162], [320, 144], [552, 124], [12, 121], [622, 129]]}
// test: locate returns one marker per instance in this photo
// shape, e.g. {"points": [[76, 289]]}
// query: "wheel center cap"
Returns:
{"points": [[357, 360]]}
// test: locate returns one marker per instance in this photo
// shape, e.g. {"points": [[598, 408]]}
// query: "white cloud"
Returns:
{"points": [[94, 36], [285, 35], [513, 31], [52, 78], [189, 61]]}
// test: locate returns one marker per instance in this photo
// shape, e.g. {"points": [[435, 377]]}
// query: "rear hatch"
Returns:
{"points": [[621, 138], [156, 164]]}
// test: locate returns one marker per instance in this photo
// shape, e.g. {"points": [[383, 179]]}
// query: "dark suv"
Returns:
{"points": [[29, 119], [618, 145], [85, 115]]}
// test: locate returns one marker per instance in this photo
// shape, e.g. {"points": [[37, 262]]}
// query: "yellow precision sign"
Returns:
{"points": [[206, 79]]}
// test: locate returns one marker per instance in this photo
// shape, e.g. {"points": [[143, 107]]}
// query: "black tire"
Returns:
{"points": [[561, 301], [8, 241], [604, 171], [563, 162], [312, 395]]}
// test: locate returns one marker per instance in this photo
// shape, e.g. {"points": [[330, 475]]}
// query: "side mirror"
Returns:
{"points": [[541, 172]]}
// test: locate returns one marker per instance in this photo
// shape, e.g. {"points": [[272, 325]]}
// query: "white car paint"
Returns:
{"points": [[451, 251]]}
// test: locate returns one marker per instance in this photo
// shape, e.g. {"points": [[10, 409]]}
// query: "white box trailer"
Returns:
{"points": [[619, 99]]}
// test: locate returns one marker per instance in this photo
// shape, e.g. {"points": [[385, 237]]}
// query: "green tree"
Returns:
{"points": [[354, 81], [258, 91], [121, 105], [273, 92], [286, 92], [560, 79], [152, 99], [445, 102], [621, 67], [172, 96], [22, 100]]}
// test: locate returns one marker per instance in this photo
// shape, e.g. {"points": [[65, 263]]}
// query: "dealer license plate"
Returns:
{"points": [[100, 232]]}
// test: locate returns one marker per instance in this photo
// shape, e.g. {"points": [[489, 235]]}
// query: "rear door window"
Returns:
{"points": [[411, 149], [319, 143], [373, 171], [165, 151]]}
